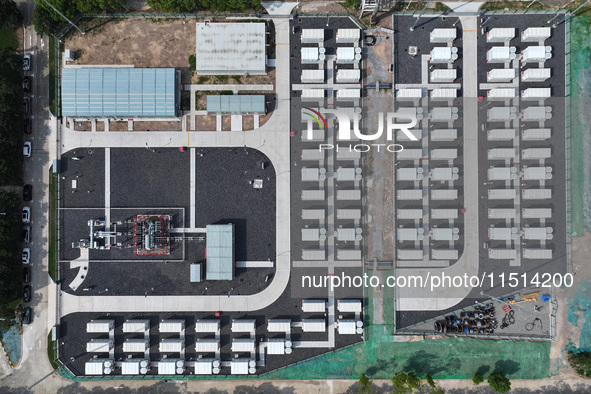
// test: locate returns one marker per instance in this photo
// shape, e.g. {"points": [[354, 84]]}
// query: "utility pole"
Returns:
{"points": [[412, 28], [63, 16], [570, 15]]}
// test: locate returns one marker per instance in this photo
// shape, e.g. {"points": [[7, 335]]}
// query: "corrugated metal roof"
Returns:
{"points": [[236, 104], [220, 252], [195, 273], [230, 48], [119, 92]]}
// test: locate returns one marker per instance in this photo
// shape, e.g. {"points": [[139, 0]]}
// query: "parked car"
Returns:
{"points": [[27, 62], [26, 214], [27, 293], [26, 234], [27, 105], [26, 256], [27, 148], [28, 193], [27, 275], [27, 84], [27, 316], [27, 126]]}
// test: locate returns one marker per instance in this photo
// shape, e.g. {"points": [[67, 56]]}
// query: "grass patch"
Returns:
{"points": [[202, 79], [52, 253], [51, 352], [513, 5], [185, 100], [237, 79], [221, 78], [8, 38], [52, 75]]}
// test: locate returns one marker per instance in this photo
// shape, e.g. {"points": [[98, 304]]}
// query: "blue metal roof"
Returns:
{"points": [[119, 92], [219, 264]]}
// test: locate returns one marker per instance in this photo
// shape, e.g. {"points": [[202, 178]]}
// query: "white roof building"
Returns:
{"points": [[411, 214], [501, 173], [444, 194], [443, 75], [409, 194], [501, 93], [444, 55], [240, 366], [537, 173], [312, 76], [312, 94], [204, 366], [409, 254], [502, 254], [501, 213], [444, 134], [536, 93], [536, 54], [501, 153], [538, 233], [231, 48], [348, 327], [501, 134], [346, 55], [348, 76], [276, 346], [348, 94], [536, 213], [134, 366], [445, 254], [502, 233], [536, 194], [310, 55], [536, 153], [444, 213], [500, 54], [501, 194], [529, 253]]}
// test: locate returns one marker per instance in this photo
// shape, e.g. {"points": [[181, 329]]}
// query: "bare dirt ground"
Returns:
{"points": [[226, 123], [321, 7], [160, 126], [118, 126], [205, 123], [82, 126], [247, 122], [268, 79], [100, 126], [382, 51]]}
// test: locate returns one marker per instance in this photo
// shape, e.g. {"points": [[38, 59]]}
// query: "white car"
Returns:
{"points": [[26, 214], [27, 148], [26, 255]]}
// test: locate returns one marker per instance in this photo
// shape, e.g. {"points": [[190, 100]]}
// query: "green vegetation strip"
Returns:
{"points": [[51, 352], [52, 73]]}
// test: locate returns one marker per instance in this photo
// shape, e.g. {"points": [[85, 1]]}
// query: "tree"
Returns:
{"points": [[413, 382], [430, 381], [499, 382], [477, 378], [399, 381], [10, 15], [366, 385], [581, 362]]}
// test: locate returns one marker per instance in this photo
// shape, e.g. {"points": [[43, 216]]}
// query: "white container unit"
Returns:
{"points": [[501, 114], [500, 54], [348, 195], [536, 213], [501, 75], [536, 134], [501, 173], [348, 35], [444, 94], [536, 173], [312, 36], [136, 326], [312, 195], [401, 136], [444, 55], [171, 326], [348, 94], [444, 154], [312, 94], [171, 345], [444, 214], [312, 76], [536, 34], [502, 254], [536, 194], [444, 194], [279, 325], [135, 346], [501, 93], [443, 75], [348, 76], [502, 194], [502, 233], [536, 54], [207, 325], [501, 213], [445, 254], [536, 153], [100, 326], [409, 254], [409, 94], [533, 114], [444, 134], [310, 55], [501, 153], [345, 55], [410, 234], [537, 253], [442, 36], [349, 306], [445, 174], [409, 154], [313, 325], [500, 34], [243, 325], [243, 345], [409, 194], [536, 93], [536, 74], [501, 134], [411, 214], [99, 346], [537, 233], [313, 305]]}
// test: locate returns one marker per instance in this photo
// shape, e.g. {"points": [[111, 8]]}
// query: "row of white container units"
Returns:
{"points": [[526, 213], [343, 234], [442, 174], [526, 194], [533, 173], [168, 366], [343, 36], [531, 74], [343, 254], [531, 54], [435, 194], [342, 214], [420, 234], [343, 55], [506, 34], [526, 233], [319, 155], [420, 213], [437, 114], [342, 76], [526, 94], [529, 114], [526, 253], [419, 254], [513, 154], [342, 94], [342, 195], [415, 94], [343, 174], [434, 154], [526, 134], [434, 135]]}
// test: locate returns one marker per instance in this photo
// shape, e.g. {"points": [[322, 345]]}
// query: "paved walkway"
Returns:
{"points": [[272, 139], [443, 297], [279, 7], [464, 6]]}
